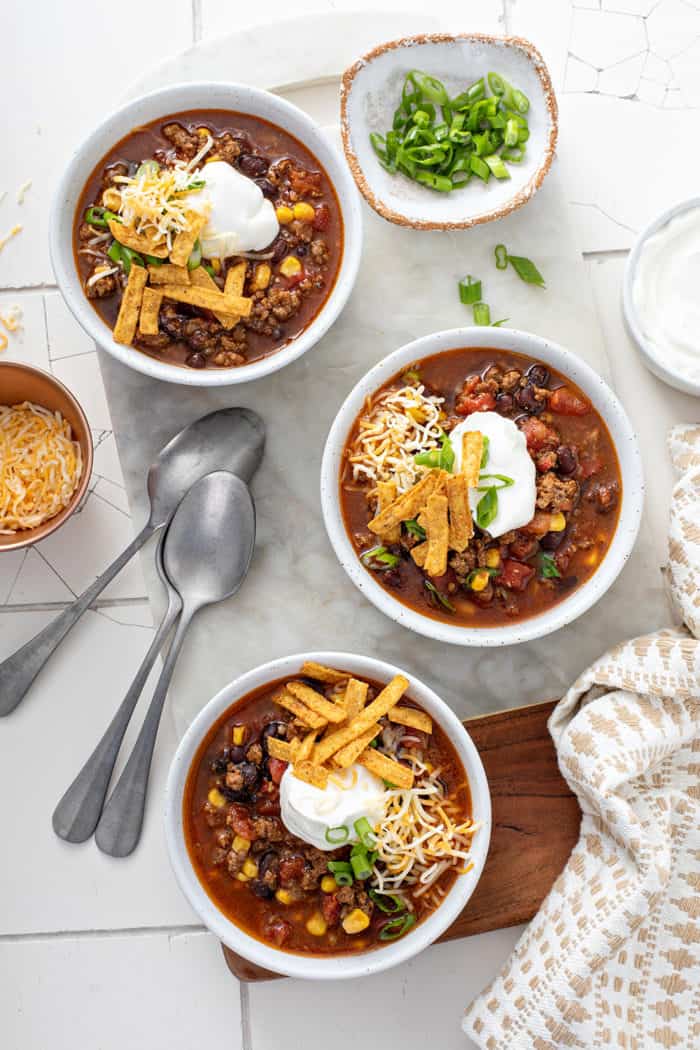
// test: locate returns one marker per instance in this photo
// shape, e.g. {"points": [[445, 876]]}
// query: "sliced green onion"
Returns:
{"points": [[506, 482], [487, 508], [513, 155], [442, 458], [414, 529], [386, 559], [114, 252], [148, 166], [130, 257], [361, 867], [469, 290], [209, 268], [501, 253], [153, 260], [510, 136], [521, 103], [497, 167], [497, 324], [337, 836], [341, 870], [196, 184], [548, 567], [396, 928], [482, 313], [442, 599], [479, 167], [485, 451], [526, 270], [363, 830], [100, 217], [195, 258], [497, 84], [389, 903]]}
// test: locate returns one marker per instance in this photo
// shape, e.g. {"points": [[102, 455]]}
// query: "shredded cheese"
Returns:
{"points": [[40, 466], [8, 236], [12, 318], [399, 424], [22, 191]]}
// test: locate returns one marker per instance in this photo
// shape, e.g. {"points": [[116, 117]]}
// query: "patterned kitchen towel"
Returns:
{"points": [[612, 959]]}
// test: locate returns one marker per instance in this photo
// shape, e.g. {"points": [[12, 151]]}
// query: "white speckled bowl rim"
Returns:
{"points": [[649, 352], [341, 966], [521, 194], [622, 434], [174, 99]]}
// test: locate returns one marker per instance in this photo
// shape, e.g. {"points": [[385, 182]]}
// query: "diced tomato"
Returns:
{"points": [[277, 768], [523, 546], [566, 403], [589, 465], [330, 906], [483, 402], [291, 868], [539, 524], [296, 279], [538, 435], [278, 930], [515, 575], [322, 217], [241, 823]]}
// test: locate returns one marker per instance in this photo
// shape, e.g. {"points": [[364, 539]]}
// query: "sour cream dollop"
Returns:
{"points": [[309, 812], [665, 292], [508, 455], [240, 218]]}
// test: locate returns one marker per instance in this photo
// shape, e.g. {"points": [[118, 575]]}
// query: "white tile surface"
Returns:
{"points": [[111, 993]]}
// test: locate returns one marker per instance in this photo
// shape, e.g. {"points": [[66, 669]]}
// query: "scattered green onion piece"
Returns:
{"points": [[497, 167], [153, 260], [506, 482], [337, 836], [442, 458], [497, 324], [548, 567], [501, 253], [196, 184], [514, 155], [209, 268], [414, 529], [485, 451], [469, 290], [195, 258], [389, 903], [151, 166], [130, 258], [521, 103], [114, 252], [363, 830], [97, 216], [479, 167], [388, 785], [439, 596], [526, 270], [341, 870], [487, 508], [482, 313], [497, 83], [512, 129], [386, 559], [396, 928], [361, 867]]}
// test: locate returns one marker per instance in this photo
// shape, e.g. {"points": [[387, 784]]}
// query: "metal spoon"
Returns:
{"points": [[206, 556], [77, 814], [230, 439]]}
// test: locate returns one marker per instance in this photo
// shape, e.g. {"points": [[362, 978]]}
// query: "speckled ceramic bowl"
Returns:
{"points": [[370, 92], [621, 432]]}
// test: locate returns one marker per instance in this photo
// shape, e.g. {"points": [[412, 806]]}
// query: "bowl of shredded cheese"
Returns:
{"points": [[45, 455]]}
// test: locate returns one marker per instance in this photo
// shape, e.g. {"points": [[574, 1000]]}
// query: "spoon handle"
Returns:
{"points": [[19, 670], [119, 829], [76, 815]]}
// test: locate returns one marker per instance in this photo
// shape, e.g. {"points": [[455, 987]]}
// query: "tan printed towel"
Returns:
{"points": [[612, 959]]}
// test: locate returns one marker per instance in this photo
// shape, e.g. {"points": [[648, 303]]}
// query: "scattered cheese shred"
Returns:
{"points": [[8, 236], [22, 191], [11, 318], [399, 424], [40, 466]]}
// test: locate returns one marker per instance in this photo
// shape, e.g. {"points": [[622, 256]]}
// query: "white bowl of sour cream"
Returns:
{"points": [[326, 967], [661, 297]]}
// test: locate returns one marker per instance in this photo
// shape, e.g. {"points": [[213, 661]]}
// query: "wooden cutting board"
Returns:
{"points": [[535, 826]]}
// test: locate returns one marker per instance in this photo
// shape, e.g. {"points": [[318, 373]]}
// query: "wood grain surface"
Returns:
{"points": [[535, 826]]}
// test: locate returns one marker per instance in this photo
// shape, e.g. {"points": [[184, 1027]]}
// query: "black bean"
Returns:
{"points": [[538, 375], [234, 796], [250, 774], [268, 190], [504, 403], [237, 754], [252, 164], [527, 400], [302, 249], [279, 248], [261, 890], [218, 765], [568, 460], [196, 361], [551, 540], [268, 868], [276, 729]]}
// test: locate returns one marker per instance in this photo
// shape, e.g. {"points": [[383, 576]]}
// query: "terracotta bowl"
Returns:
{"points": [[23, 383], [370, 92]]}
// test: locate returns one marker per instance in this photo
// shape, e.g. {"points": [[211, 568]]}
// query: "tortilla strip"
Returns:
{"points": [[406, 506], [309, 718], [419, 553], [409, 716], [322, 674], [303, 752], [364, 721], [169, 274], [315, 702], [201, 279], [150, 308], [351, 752], [386, 494], [396, 773], [207, 299], [185, 241], [461, 524], [317, 776], [235, 279], [355, 698], [285, 751], [138, 242], [125, 328], [472, 451], [438, 530]]}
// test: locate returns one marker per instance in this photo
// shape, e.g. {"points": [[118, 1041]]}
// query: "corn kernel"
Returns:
{"points": [[261, 277], [290, 266], [210, 160], [215, 265], [317, 925], [356, 921], [250, 868], [304, 212], [284, 215], [480, 580], [239, 735], [557, 522], [493, 558], [241, 877], [283, 896], [203, 133], [216, 798], [240, 844], [328, 884], [591, 559]]}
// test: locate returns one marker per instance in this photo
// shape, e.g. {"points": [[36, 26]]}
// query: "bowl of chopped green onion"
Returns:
{"points": [[446, 132]]}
